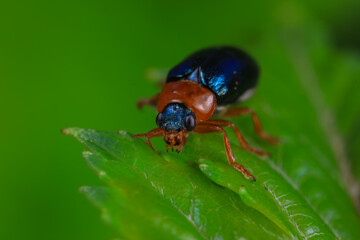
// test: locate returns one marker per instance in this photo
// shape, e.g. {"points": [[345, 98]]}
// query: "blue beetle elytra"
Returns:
{"points": [[206, 82]]}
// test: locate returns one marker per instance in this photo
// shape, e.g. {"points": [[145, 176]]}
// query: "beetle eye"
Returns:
{"points": [[190, 122], [158, 119]]}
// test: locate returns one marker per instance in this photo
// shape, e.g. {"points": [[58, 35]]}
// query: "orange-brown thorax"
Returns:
{"points": [[201, 101]]}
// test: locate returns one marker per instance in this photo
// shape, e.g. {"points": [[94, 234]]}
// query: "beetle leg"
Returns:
{"points": [[240, 137], [209, 128], [255, 119], [148, 101], [157, 132]]}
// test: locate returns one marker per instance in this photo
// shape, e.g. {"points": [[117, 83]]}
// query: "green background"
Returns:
{"points": [[83, 63]]}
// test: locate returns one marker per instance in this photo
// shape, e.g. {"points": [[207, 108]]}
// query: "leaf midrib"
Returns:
{"points": [[310, 82]]}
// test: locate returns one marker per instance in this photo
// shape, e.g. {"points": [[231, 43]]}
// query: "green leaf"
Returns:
{"points": [[342, 99], [168, 197], [173, 199]]}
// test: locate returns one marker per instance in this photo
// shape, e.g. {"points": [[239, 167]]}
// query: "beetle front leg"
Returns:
{"points": [[209, 128], [240, 137], [157, 132], [255, 119]]}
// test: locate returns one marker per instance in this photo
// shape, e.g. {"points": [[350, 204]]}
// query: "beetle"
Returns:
{"points": [[206, 83]]}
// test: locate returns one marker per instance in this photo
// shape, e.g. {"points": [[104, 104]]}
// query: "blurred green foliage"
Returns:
{"points": [[82, 63]]}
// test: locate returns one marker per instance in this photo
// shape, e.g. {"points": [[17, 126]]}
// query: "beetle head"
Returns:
{"points": [[177, 120]]}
